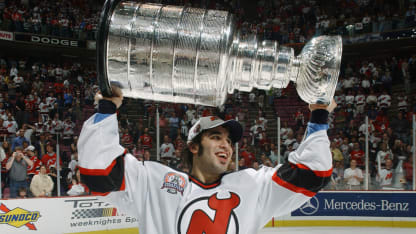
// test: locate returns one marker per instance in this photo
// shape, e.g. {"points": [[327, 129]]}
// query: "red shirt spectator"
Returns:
{"points": [[34, 169], [358, 155], [49, 159], [248, 156], [382, 122], [59, 88], [146, 139], [127, 139]]}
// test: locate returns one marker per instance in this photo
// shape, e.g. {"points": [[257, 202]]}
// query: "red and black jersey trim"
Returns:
{"points": [[300, 179], [205, 186], [103, 181]]}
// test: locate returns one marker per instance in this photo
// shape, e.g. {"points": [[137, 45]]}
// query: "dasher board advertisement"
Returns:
{"points": [[61, 215]]}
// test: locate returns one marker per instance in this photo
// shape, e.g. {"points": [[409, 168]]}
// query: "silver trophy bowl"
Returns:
{"points": [[190, 55]]}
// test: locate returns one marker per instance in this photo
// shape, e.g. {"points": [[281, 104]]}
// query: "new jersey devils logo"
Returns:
{"points": [[210, 215]]}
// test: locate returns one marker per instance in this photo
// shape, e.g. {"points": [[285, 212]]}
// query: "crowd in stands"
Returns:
{"points": [[298, 21], [69, 18], [282, 20], [42, 106]]}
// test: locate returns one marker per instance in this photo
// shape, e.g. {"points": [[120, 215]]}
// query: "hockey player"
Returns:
{"points": [[207, 199]]}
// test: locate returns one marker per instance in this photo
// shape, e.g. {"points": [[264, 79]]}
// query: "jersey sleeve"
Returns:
{"points": [[289, 185], [105, 166]]}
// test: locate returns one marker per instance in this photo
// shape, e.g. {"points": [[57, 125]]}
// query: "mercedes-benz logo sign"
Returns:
{"points": [[310, 207]]}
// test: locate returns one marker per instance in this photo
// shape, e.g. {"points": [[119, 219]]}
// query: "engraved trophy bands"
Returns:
{"points": [[189, 55]]}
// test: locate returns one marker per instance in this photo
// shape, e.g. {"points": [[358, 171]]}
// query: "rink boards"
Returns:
{"points": [[91, 215], [354, 208]]}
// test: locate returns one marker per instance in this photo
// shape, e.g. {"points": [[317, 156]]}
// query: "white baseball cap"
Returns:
{"points": [[209, 122], [30, 147]]}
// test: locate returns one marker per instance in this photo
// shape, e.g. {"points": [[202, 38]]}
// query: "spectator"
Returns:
{"points": [[72, 166], [42, 184], [22, 193], [256, 165], [17, 167], [19, 139], [184, 126], [360, 102], [299, 139], [260, 120], [176, 161], [289, 140], [248, 156], [257, 136], [371, 128], [255, 131], [76, 188], [28, 132], [67, 131], [353, 176], [349, 98], [242, 164], [357, 154], [31, 154], [265, 161], [74, 143], [49, 159], [371, 98], [339, 99], [44, 108], [273, 154], [382, 121], [338, 175], [336, 153], [127, 139], [285, 130], [288, 150], [166, 149], [299, 119], [365, 85], [11, 126], [402, 102], [146, 139], [179, 143], [173, 125], [146, 155], [398, 149], [384, 100], [385, 175], [345, 148]]}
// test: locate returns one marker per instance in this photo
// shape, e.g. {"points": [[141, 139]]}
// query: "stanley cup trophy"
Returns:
{"points": [[190, 55]]}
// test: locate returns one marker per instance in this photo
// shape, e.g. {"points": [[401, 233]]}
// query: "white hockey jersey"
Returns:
{"points": [[167, 201]]}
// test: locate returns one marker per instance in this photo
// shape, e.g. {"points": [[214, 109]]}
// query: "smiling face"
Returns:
{"points": [[216, 153]]}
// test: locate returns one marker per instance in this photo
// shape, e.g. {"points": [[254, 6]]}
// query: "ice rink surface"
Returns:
{"points": [[338, 230]]}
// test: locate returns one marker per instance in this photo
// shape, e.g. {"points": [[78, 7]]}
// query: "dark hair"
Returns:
{"points": [[22, 189], [188, 155]]}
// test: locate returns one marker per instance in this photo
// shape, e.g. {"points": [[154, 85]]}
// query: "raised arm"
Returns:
{"points": [[101, 157], [308, 170]]}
